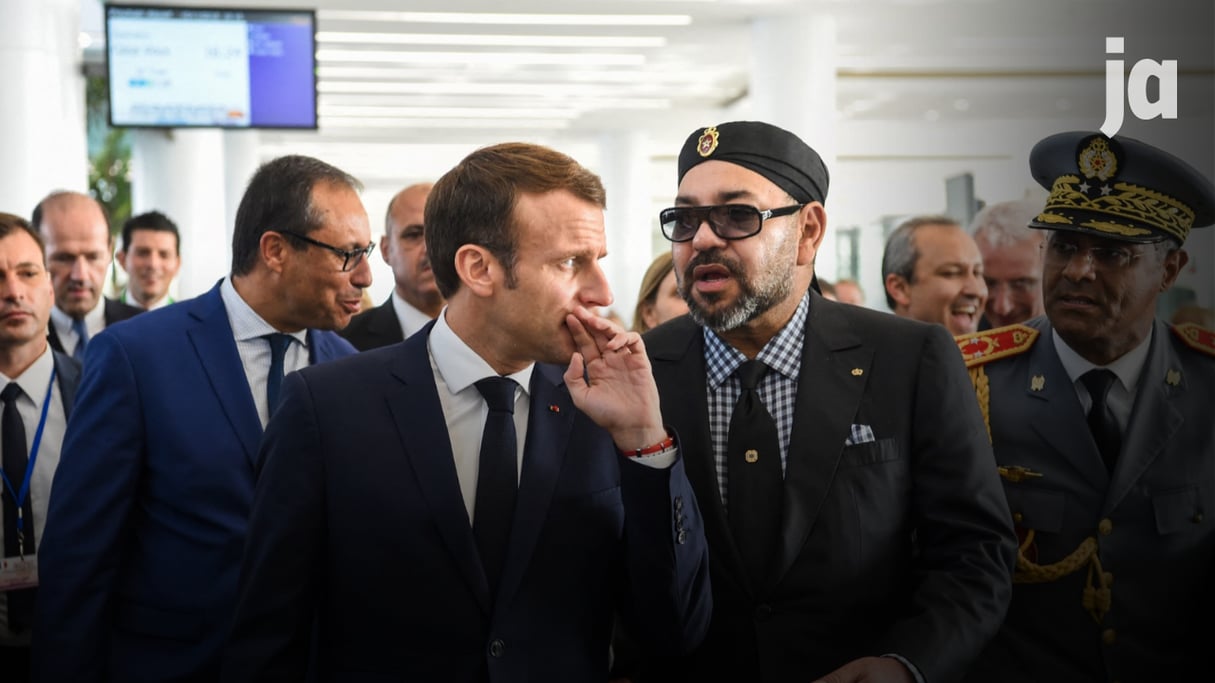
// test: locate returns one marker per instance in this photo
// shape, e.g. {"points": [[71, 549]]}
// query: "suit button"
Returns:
{"points": [[763, 612], [497, 648], [1109, 636], [681, 537], [1105, 526], [1017, 517], [678, 502]]}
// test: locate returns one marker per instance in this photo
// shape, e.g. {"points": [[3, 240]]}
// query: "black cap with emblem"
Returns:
{"points": [[1119, 188], [773, 152]]}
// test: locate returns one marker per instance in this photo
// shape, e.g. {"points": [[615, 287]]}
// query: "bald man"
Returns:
{"points": [[415, 298]]}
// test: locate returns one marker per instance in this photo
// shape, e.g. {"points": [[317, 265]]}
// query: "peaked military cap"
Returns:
{"points": [[1119, 188], [773, 152]]}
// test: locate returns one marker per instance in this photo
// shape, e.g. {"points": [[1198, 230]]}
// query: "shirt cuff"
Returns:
{"points": [[915, 673], [660, 461]]}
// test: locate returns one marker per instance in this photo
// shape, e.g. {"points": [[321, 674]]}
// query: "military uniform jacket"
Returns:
{"points": [[1152, 521], [898, 545]]}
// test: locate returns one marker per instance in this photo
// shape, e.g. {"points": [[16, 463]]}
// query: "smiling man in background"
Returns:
{"points": [[933, 273]]}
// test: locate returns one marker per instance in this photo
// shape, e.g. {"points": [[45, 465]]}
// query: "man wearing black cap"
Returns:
{"points": [[1100, 420], [853, 513]]}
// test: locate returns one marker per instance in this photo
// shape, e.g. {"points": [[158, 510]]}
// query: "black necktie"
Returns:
{"points": [[754, 475], [16, 457], [496, 477], [1101, 420], [278, 352]]}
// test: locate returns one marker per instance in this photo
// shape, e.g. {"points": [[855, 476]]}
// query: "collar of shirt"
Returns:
{"points": [[1128, 368], [94, 322], [246, 323], [35, 379], [782, 353], [459, 365], [410, 318], [159, 303]]}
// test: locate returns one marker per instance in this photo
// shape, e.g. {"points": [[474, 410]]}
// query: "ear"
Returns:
{"points": [[121, 257], [274, 251], [899, 289], [477, 268], [1174, 262], [385, 243], [814, 226], [648, 316]]}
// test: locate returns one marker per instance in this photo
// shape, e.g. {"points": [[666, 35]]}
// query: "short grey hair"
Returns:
{"points": [[1004, 224]]}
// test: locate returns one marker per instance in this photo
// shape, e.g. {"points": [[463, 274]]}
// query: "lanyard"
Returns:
{"points": [[19, 496]]}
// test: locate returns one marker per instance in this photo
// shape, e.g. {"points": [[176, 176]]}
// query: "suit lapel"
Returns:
{"points": [[831, 355], [211, 336], [1154, 419], [420, 423], [1056, 413], [323, 347], [384, 324], [68, 372], [544, 451], [679, 366]]}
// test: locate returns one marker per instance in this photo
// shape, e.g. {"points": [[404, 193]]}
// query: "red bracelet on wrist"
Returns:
{"points": [[651, 449]]}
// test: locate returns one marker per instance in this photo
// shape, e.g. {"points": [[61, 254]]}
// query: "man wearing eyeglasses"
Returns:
{"points": [[1100, 420], [854, 518], [143, 539]]}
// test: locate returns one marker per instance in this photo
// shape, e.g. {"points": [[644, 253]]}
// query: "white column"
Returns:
{"points": [[42, 126], [793, 85], [625, 161], [181, 173], [241, 158]]}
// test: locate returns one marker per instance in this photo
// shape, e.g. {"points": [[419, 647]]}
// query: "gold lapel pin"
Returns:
{"points": [[857, 372], [1172, 378], [1037, 382], [751, 455]]}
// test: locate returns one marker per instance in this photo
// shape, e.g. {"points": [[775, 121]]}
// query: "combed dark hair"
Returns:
{"points": [[900, 254], [11, 223], [279, 197], [474, 202], [152, 220]]}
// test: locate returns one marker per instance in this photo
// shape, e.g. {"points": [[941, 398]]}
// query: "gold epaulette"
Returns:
{"points": [[979, 348], [1197, 338]]}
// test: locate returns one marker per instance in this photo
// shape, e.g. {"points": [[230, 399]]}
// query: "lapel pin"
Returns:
{"points": [[857, 372], [1017, 474], [554, 408], [1037, 382], [1172, 378], [751, 455]]}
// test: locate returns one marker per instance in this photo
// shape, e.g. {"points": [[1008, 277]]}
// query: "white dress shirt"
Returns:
{"points": [[94, 322], [247, 329], [410, 318], [1128, 368]]}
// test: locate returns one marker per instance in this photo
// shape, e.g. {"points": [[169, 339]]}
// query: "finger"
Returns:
{"points": [[622, 342], [576, 370], [583, 340]]}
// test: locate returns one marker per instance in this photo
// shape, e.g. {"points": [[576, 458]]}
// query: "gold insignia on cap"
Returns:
{"points": [[1172, 378], [1037, 382], [1097, 160], [707, 143], [751, 455]]}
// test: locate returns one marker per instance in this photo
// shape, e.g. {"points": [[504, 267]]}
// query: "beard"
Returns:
{"points": [[771, 286]]}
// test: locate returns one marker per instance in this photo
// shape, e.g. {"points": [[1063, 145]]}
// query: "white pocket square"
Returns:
{"points": [[859, 434]]}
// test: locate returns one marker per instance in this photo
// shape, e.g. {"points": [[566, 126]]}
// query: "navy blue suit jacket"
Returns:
{"points": [[358, 519], [141, 552]]}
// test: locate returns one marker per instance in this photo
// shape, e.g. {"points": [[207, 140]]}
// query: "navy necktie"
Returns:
{"points": [[82, 338], [278, 353], [1101, 422], [16, 457], [494, 508], [754, 476]]}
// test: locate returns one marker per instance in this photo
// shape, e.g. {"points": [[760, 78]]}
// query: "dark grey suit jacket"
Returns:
{"points": [[374, 328], [901, 545]]}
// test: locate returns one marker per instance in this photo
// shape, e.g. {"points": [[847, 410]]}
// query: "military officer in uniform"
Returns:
{"points": [[1101, 422]]}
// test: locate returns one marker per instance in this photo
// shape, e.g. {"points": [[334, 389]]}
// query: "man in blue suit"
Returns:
{"points": [[435, 530], [143, 539]]}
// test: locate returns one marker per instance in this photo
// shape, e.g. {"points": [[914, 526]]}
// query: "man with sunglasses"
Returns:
{"points": [[143, 539], [1100, 420], [854, 517]]}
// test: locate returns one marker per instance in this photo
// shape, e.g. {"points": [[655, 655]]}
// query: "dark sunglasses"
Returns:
{"points": [[727, 221]]}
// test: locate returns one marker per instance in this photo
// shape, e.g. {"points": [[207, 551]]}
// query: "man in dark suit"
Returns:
{"points": [[39, 385], [387, 510], [78, 249], [144, 534], [1101, 422], [854, 516], [415, 298]]}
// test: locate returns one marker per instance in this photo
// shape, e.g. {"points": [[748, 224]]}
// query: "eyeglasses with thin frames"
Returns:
{"points": [[1060, 252], [727, 221], [350, 258]]}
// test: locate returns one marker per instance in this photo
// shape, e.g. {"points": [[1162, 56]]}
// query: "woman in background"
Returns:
{"points": [[659, 300]]}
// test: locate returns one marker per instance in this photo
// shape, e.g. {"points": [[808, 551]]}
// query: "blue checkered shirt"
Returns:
{"points": [[778, 389]]}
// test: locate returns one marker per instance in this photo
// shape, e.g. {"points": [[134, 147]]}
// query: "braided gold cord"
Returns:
{"points": [[978, 379]]}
